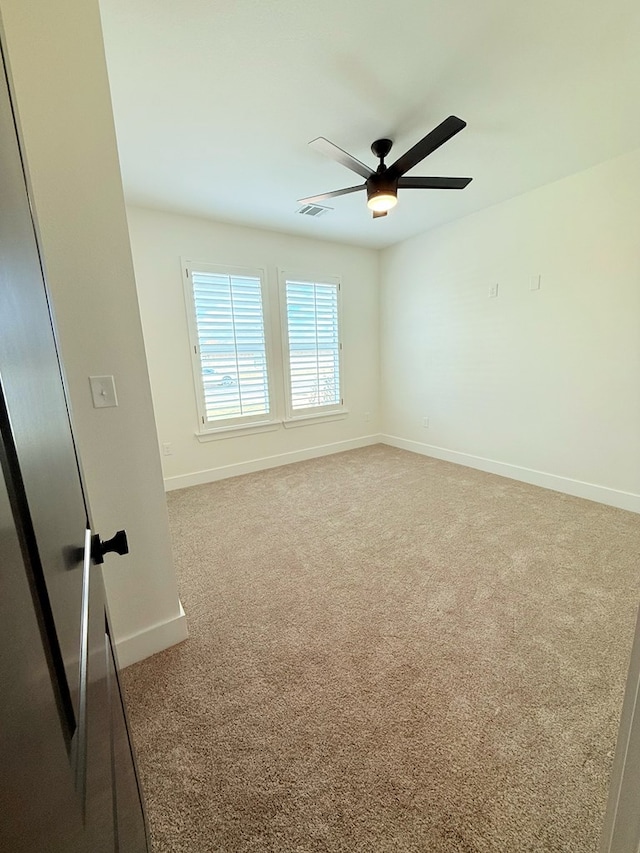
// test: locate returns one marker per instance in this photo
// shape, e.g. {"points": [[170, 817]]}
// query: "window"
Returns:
{"points": [[244, 384], [312, 348], [228, 345]]}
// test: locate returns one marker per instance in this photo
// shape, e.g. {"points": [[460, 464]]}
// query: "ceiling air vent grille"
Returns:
{"points": [[313, 210]]}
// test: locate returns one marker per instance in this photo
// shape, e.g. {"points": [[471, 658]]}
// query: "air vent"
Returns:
{"points": [[313, 210]]}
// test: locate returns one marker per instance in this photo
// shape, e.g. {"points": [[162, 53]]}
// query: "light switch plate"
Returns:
{"points": [[103, 391]]}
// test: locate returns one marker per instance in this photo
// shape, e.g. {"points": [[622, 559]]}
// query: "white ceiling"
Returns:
{"points": [[216, 100]]}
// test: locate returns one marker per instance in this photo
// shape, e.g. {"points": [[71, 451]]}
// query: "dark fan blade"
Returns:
{"points": [[433, 183], [330, 150], [438, 136], [316, 198], [377, 213]]}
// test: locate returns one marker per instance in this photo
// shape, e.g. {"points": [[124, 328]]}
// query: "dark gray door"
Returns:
{"points": [[68, 778]]}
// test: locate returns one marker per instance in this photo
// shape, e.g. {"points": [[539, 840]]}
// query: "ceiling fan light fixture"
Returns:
{"points": [[382, 184], [382, 201]]}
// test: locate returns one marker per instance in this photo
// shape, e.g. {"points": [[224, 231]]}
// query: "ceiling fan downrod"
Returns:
{"points": [[380, 149]]}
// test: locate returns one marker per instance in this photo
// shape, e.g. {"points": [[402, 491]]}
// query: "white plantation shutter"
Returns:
{"points": [[229, 327], [313, 345]]}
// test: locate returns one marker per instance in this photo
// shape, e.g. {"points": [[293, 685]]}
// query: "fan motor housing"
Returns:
{"points": [[381, 182]]}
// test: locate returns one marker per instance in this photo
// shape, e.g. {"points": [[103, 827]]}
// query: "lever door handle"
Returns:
{"points": [[117, 544]]}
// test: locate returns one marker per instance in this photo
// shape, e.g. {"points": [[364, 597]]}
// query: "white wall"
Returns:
{"points": [[158, 241], [531, 381], [59, 79]]}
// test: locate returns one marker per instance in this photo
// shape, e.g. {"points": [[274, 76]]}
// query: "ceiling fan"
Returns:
{"points": [[382, 185]]}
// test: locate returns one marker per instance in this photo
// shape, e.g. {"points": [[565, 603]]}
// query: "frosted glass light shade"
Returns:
{"points": [[382, 201]]}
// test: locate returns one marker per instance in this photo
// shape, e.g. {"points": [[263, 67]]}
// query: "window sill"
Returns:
{"points": [[315, 418], [237, 429], [256, 427]]}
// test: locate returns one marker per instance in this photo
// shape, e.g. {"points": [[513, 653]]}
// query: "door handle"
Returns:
{"points": [[118, 544]]}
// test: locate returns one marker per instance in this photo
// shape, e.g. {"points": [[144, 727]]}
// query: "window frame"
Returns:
{"points": [[309, 414], [223, 427]]}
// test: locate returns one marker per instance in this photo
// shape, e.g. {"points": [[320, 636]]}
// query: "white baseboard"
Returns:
{"points": [[577, 488], [197, 478], [152, 640]]}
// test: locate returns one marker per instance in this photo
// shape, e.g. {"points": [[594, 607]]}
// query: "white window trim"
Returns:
{"points": [[319, 417], [314, 414], [232, 431], [244, 424]]}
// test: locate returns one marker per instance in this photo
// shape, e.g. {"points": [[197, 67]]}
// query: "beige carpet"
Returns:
{"points": [[388, 653]]}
